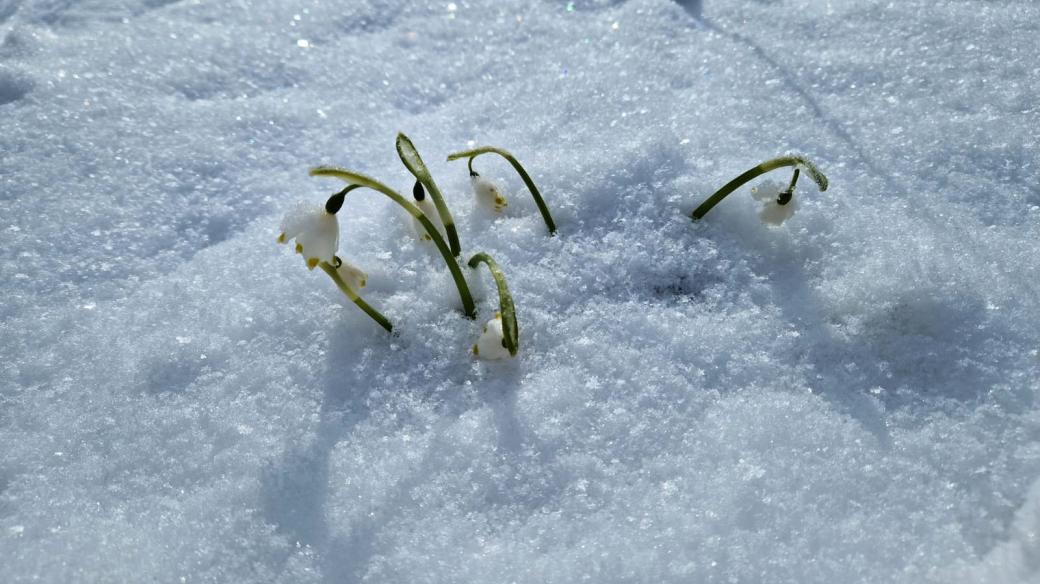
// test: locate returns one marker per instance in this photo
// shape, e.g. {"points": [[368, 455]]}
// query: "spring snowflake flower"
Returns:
{"points": [[315, 230], [429, 209], [487, 194], [492, 342], [351, 274], [772, 212]]}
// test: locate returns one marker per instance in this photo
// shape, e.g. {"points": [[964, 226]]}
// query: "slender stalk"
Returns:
{"points": [[453, 266], [773, 164], [471, 154], [415, 165], [510, 330], [346, 289]]}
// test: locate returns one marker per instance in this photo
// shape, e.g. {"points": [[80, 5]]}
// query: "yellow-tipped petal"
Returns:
{"points": [[476, 351], [312, 263], [299, 248], [281, 238]]}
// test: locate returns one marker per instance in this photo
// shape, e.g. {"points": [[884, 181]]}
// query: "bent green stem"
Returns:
{"points": [[453, 266], [773, 164], [471, 154], [510, 330], [415, 165], [353, 295]]}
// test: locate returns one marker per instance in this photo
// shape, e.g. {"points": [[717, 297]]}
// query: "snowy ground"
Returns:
{"points": [[849, 398]]}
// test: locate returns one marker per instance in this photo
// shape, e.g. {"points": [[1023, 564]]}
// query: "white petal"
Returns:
{"points": [[487, 194], [296, 220], [767, 190], [491, 344], [352, 275], [430, 210], [775, 214], [319, 238]]}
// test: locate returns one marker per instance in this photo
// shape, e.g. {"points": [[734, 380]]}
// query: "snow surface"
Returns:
{"points": [[851, 397]]}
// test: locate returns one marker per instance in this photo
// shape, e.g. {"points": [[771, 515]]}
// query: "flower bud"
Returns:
{"points": [[492, 342], [487, 194], [772, 212]]}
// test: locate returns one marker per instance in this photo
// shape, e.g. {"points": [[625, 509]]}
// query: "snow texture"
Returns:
{"points": [[850, 397]]}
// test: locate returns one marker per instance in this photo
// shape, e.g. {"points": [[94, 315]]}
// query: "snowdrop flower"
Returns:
{"points": [[487, 194], [770, 194], [316, 231], [429, 209], [492, 342], [351, 274]]}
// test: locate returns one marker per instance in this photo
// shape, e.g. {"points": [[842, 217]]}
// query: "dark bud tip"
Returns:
{"points": [[335, 202], [418, 191], [474, 173], [785, 197], [336, 262]]}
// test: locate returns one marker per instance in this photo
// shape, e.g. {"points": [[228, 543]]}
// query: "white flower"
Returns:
{"points": [[315, 230], [430, 210], [773, 213], [492, 342], [487, 194], [352, 275]]}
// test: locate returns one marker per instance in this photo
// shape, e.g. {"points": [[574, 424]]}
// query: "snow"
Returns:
{"points": [[850, 397]]}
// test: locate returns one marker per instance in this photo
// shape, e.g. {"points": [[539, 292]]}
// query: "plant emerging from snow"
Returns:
{"points": [[778, 205], [487, 194], [415, 165], [501, 335], [316, 231], [358, 180]]}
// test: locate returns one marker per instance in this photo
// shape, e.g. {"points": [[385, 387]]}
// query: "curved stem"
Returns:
{"points": [[510, 330], [415, 165], [453, 265], [471, 154], [773, 164], [346, 289]]}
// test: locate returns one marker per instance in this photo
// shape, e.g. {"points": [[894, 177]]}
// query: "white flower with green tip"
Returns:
{"points": [[315, 230], [770, 193], [492, 342], [487, 194]]}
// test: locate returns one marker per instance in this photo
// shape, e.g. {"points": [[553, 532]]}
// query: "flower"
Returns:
{"points": [[352, 275], [315, 230], [492, 342], [772, 212], [429, 209], [487, 194]]}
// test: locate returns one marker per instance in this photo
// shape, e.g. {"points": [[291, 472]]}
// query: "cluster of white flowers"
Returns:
{"points": [[772, 212]]}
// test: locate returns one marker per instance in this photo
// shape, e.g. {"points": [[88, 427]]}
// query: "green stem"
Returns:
{"points": [[415, 165], [510, 330], [346, 289], [773, 164], [449, 258], [471, 154]]}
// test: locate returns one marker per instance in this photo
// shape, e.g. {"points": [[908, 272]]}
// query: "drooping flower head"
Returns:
{"points": [[487, 194], [429, 209], [351, 274], [492, 342], [770, 194], [316, 231]]}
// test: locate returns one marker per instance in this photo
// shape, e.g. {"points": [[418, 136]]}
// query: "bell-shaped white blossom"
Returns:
{"points": [[492, 342], [487, 194], [773, 213], [352, 275], [315, 230], [430, 210]]}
